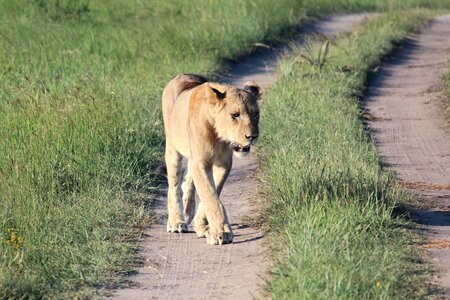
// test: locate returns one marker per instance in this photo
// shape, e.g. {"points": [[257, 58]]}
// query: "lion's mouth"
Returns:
{"points": [[238, 148]]}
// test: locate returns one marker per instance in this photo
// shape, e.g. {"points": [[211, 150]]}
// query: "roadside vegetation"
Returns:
{"points": [[446, 81], [80, 124], [331, 206]]}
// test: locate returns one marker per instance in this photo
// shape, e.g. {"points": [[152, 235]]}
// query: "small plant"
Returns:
{"points": [[312, 54], [14, 246], [14, 239]]}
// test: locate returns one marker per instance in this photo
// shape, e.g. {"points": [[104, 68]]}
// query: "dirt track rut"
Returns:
{"points": [[180, 266], [410, 130]]}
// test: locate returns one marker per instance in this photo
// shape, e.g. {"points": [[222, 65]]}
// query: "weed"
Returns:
{"points": [[313, 54]]}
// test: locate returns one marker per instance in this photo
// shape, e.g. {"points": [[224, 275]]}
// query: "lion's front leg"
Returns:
{"points": [[218, 230], [175, 222], [221, 170]]}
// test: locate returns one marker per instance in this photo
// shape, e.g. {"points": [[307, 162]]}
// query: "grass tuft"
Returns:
{"points": [[312, 56]]}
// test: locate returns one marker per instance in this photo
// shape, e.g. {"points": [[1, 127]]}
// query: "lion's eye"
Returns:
{"points": [[235, 116]]}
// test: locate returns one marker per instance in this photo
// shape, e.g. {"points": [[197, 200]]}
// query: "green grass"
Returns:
{"points": [[330, 216], [80, 129], [446, 81]]}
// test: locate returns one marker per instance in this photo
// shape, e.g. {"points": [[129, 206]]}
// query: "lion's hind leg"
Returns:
{"points": [[175, 222], [200, 222], [188, 196]]}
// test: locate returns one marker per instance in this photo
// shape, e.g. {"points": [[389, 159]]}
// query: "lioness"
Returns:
{"points": [[205, 122]]}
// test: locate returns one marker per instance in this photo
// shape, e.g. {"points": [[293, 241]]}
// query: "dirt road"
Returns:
{"points": [[180, 266], [410, 130]]}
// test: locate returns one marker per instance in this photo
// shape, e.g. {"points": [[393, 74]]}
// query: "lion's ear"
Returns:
{"points": [[219, 94], [254, 89]]}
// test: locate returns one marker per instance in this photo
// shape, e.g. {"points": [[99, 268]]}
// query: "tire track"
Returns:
{"points": [[234, 271], [410, 133]]}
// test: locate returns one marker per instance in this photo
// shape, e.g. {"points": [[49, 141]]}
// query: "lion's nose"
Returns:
{"points": [[251, 137]]}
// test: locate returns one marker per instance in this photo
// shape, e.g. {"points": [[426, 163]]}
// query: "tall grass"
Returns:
{"points": [[331, 206], [80, 126]]}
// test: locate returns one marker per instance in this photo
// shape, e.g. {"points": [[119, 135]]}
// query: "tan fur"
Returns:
{"points": [[200, 124]]}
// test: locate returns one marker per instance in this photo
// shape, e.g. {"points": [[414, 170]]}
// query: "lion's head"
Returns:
{"points": [[236, 115]]}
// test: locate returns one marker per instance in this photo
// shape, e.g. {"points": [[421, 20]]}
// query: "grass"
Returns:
{"points": [[446, 81], [330, 216], [80, 129]]}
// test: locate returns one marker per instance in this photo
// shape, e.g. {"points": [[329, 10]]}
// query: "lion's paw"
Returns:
{"points": [[177, 227], [219, 237]]}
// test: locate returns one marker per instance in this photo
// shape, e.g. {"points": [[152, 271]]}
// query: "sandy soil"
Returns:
{"points": [[180, 266], [409, 129]]}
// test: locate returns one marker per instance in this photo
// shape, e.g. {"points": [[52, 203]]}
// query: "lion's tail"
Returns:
{"points": [[161, 170]]}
